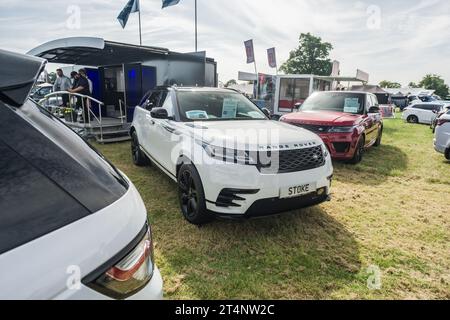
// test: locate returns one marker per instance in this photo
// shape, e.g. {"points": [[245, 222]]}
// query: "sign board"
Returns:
{"points": [[362, 76]]}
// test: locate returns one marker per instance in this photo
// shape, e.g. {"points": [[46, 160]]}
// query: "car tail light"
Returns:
{"points": [[130, 274], [441, 121]]}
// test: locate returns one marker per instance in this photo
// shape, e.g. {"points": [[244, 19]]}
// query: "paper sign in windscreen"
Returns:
{"points": [[229, 108], [351, 105]]}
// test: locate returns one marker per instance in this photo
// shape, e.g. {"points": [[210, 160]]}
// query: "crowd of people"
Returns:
{"points": [[77, 83]]}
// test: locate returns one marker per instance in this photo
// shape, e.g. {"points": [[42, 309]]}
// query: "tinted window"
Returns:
{"points": [[50, 176], [31, 205]]}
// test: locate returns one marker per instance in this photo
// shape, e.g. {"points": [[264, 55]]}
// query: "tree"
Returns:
{"points": [[413, 85], [435, 82], [389, 84], [230, 83], [311, 57]]}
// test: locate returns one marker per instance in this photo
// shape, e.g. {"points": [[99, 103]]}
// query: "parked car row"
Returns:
{"points": [[436, 114]]}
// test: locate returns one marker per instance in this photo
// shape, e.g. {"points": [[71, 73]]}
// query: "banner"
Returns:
{"points": [[249, 51], [271, 56], [131, 6]]}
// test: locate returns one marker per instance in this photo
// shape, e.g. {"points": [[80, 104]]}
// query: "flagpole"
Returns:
{"points": [[140, 29], [196, 43]]}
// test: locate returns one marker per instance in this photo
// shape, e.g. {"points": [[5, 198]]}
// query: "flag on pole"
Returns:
{"points": [[132, 6], [249, 51], [168, 3], [272, 57]]}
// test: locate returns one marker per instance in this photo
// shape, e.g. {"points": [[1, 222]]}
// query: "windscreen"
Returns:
{"points": [[210, 106], [335, 101]]}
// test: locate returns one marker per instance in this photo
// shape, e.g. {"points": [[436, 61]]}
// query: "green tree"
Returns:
{"points": [[311, 57], [389, 84], [413, 85], [435, 82], [230, 83]]}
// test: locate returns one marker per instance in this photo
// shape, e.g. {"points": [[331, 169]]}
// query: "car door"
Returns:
{"points": [[165, 135], [427, 113], [146, 123], [370, 122]]}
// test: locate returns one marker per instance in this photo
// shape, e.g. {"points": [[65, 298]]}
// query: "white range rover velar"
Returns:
{"points": [[228, 158]]}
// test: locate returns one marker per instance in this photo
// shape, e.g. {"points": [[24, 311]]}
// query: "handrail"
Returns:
{"points": [[57, 93], [89, 98]]}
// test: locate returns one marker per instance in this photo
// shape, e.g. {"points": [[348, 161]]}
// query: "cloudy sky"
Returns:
{"points": [[393, 40]]}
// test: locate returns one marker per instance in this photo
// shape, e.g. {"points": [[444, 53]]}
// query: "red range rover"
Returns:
{"points": [[348, 122]]}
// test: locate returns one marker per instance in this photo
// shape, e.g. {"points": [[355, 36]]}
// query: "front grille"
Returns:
{"points": [[341, 146], [314, 128], [285, 161]]}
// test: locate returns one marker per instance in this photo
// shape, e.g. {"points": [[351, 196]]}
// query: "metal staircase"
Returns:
{"points": [[102, 129]]}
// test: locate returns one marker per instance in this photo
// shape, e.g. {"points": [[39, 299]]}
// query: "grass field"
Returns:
{"points": [[390, 212]]}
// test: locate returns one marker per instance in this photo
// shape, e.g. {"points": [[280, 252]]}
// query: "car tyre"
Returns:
{"points": [[412, 119], [380, 135], [192, 196], [359, 152], [139, 158], [447, 154]]}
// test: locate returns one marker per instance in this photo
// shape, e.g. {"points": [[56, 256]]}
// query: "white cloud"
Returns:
{"points": [[412, 39]]}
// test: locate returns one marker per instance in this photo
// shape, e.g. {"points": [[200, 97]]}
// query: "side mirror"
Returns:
{"points": [[159, 113], [266, 112], [374, 109], [297, 106]]}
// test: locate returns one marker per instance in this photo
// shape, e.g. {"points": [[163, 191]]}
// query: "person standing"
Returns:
{"points": [[62, 83], [81, 86]]}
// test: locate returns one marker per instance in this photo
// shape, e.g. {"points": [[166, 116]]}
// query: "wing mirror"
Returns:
{"points": [[297, 106], [374, 109], [159, 113], [266, 112]]}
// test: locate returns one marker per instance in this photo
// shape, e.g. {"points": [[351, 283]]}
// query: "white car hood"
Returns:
{"points": [[253, 134]]}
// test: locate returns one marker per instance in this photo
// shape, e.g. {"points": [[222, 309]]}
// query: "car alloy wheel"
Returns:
{"points": [[191, 196], [359, 151], [139, 158], [413, 119]]}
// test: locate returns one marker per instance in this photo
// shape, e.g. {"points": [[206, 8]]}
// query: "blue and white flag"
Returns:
{"points": [[168, 3], [132, 6]]}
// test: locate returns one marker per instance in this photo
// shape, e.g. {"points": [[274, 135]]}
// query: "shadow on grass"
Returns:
{"points": [[300, 254], [377, 164]]}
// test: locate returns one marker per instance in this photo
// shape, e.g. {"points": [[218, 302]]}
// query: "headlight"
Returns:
{"points": [[230, 155], [130, 274], [341, 129], [325, 150]]}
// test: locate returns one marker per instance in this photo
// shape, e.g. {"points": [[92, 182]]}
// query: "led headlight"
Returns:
{"points": [[345, 129], [230, 155]]}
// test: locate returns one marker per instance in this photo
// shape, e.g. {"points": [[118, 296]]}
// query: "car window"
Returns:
{"points": [[347, 102], [216, 105], [152, 101]]}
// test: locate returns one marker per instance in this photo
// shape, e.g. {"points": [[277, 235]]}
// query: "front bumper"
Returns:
{"points": [[264, 197], [341, 145]]}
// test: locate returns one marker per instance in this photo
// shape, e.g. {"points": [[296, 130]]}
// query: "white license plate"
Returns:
{"points": [[296, 191]]}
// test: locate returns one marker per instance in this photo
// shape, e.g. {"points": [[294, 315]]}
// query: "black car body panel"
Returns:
{"points": [[49, 176]]}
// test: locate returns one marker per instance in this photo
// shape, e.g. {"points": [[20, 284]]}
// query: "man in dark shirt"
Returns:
{"points": [[81, 86]]}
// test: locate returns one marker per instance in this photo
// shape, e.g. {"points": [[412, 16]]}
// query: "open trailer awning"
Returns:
{"points": [[92, 51]]}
